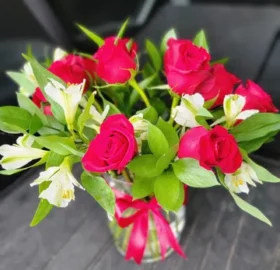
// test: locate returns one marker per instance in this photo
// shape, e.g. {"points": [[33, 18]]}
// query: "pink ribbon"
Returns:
{"points": [[140, 220]]}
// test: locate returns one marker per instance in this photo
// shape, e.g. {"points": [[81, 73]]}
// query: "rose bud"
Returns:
{"points": [[256, 98], [211, 148], [115, 60], [186, 66], [113, 147]]}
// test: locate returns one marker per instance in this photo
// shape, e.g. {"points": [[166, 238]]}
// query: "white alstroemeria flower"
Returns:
{"points": [[139, 123], [17, 155], [184, 114], [140, 126], [28, 71], [97, 118], [238, 182], [58, 54], [233, 105], [61, 189], [67, 97]]}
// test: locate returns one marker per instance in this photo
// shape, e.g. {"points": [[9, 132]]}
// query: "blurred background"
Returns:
{"points": [[246, 31]]}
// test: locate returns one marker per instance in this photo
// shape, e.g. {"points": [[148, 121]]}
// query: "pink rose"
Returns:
{"points": [[113, 147], [186, 66], [115, 61], [71, 69], [256, 98], [219, 84], [211, 148]]}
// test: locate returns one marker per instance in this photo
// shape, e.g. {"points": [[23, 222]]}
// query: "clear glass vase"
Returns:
{"points": [[121, 235]]}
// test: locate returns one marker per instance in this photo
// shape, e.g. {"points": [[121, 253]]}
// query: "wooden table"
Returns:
{"points": [[218, 235]]}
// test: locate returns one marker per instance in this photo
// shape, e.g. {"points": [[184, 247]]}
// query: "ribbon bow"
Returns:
{"points": [[140, 220]]}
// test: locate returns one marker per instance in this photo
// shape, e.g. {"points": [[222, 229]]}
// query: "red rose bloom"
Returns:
{"points": [[211, 148], [186, 66], [256, 98], [71, 69], [115, 61], [219, 84], [113, 147]]}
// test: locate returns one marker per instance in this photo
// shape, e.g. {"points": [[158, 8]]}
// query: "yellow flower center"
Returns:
{"points": [[68, 194]]}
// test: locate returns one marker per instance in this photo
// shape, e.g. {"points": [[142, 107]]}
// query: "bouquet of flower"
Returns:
{"points": [[143, 130]]}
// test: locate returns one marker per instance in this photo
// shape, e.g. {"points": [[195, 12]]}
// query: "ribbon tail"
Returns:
{"points": [[166, 236], [138, 238]]}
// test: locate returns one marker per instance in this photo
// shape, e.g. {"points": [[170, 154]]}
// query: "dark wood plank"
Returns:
{"points": [[22, 247]]}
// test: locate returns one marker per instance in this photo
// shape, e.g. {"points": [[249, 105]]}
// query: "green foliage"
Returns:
{"points": [[25, 103], [142, 187], [144, 166], [154, 54], [97, 187], [22, 81], [168, 131], [14, 119], [169, 191], [257, 126], [168, 35], [158, 144], [122, 30], [263, 174], [250, 209], [43, 209], [54, 159], [94, 37], [149, 114], [60, 145], [200, 40], [192, 174]]}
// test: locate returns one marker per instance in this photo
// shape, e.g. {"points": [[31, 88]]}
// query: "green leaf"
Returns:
{"points": [[122, 30], [222, 61], [59, 145], [85, 115], [169, 191], [158, 144], [153, 54], [35, 124], [97, 187], [257, 126], [25, 103], [200, 40], [250, 209], [94, 37], [165, 160], [43, 77], [253, 145], [204, 112], [168, 131], [54, 160], [142, 187], [43, 209], [149, 114], [160, 87], [14, 117], [144, 166], [263, 174], [22, 81], [192, 174], [168, 35]]}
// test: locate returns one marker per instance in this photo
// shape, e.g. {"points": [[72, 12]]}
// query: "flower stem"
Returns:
{"points": [[140, 91], [175, 102], [126, 176]]}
